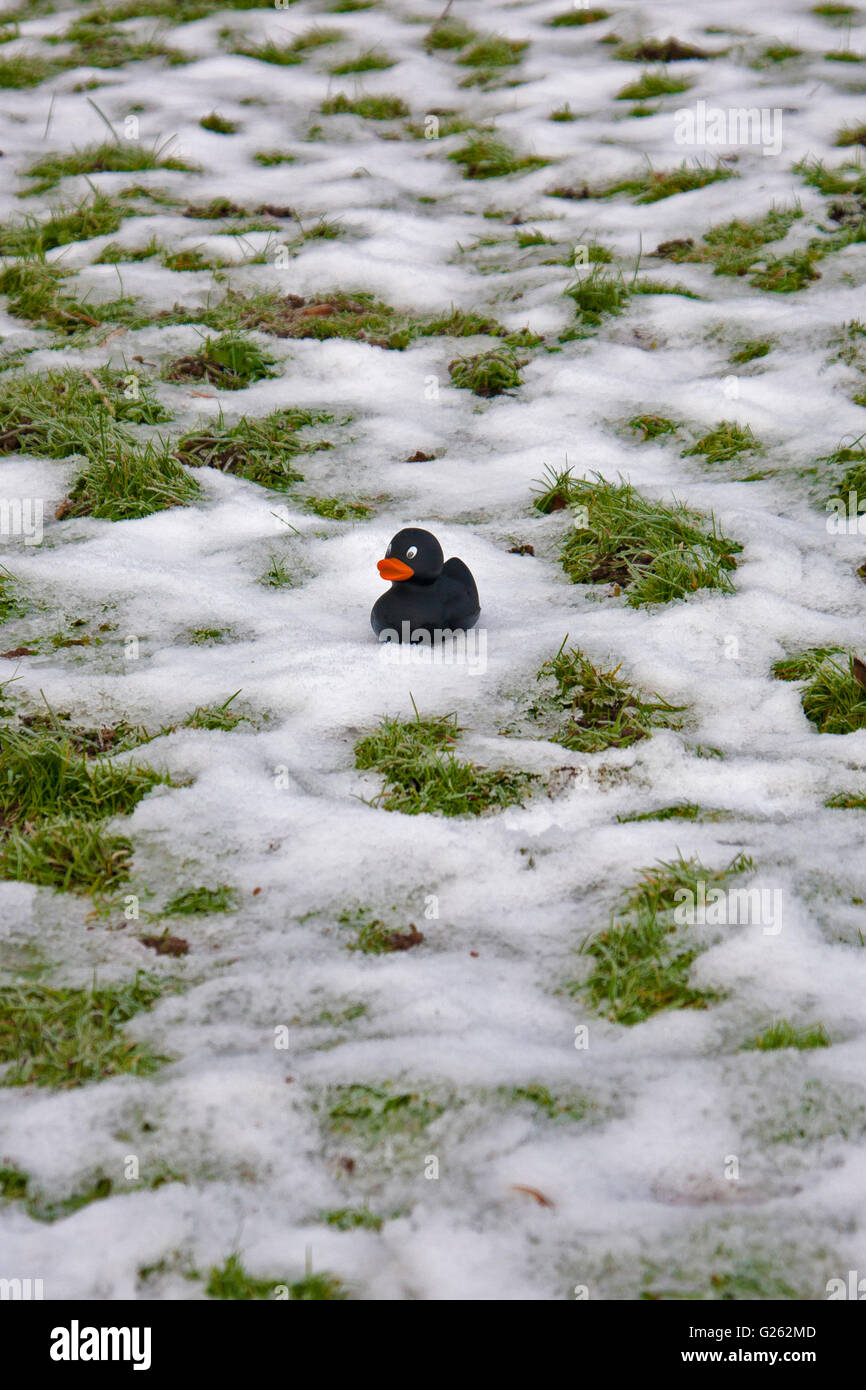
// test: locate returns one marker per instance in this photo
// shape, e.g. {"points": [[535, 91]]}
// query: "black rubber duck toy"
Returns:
{"points": [[428, 593]]}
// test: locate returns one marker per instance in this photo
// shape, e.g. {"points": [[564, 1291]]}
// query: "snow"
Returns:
{"points": [[479, 1006]]}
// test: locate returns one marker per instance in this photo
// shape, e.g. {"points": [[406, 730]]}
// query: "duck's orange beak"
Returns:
{"points": [[394, 569]]}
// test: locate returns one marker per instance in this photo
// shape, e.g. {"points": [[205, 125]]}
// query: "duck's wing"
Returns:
{"points": [[462, 575]]}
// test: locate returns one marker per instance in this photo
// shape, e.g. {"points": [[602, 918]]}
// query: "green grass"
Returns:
{"points": [[448, 34], [67, 1037], [488, 374], [277, 575], [215, 716], [569, 1108], [122, 480], [598, 294], [653, 84], [43, 774], [589, 15], [57, 413], [371, 60], [352, 1219], [833, 699], [371, 108], [40, 1208], [66, 854], [652, 426], [835, 13], [371, 1114], [459, 323], [97, 44], [733, 247], [231, 1281], [804, 665], [493, 52], [259, 449], [187, 260], [681, 810], [727, 442], [422, 775], [269, 159], [656, 552], [375, 937], [660, 51], [218, 124], [53, 803], [783, 1034], [116, 254], [849, 177], [317, 36], [195, 901], [787, 274], [484, 157], [281, 55], [25, 70], [11, 606], [652, 185], [337, 508], [776, 53], [847, 468], [231, 362], [641, 963], [108, 157], [98, 215], [602, 710], [847, 801], [749, 351], [358, 317]]}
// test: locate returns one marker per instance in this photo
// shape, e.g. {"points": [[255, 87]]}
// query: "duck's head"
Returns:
{"points": [[412, 554]]}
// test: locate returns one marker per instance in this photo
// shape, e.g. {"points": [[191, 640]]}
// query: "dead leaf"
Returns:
{"points": [[404, 941], [533, 1192], [166, 945]]}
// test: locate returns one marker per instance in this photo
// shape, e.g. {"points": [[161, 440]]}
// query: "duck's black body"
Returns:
{"points": [[428, 594]]}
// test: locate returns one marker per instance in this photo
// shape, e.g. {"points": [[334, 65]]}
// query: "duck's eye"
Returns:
{"points": [[411, 552]]}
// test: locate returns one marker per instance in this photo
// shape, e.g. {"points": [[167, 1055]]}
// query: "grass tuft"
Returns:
{"points": [[123, 480], [834, 698], [484, 157], [488, 374], [652, 426], [231, 1281], [783, 1034], [652, 185], [67, 1037], [231, 362], [371, 108], [653, 84], [260, 450], [603, 710], [423, 776], [196, 901], [642, 962], [726, 442], [656, 552]]}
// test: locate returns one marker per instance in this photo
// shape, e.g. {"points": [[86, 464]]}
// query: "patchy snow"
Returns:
{"points": [[641, 1190]]}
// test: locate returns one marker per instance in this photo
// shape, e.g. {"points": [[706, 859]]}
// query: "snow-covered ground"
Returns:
{"points": [[640, 1193]]}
